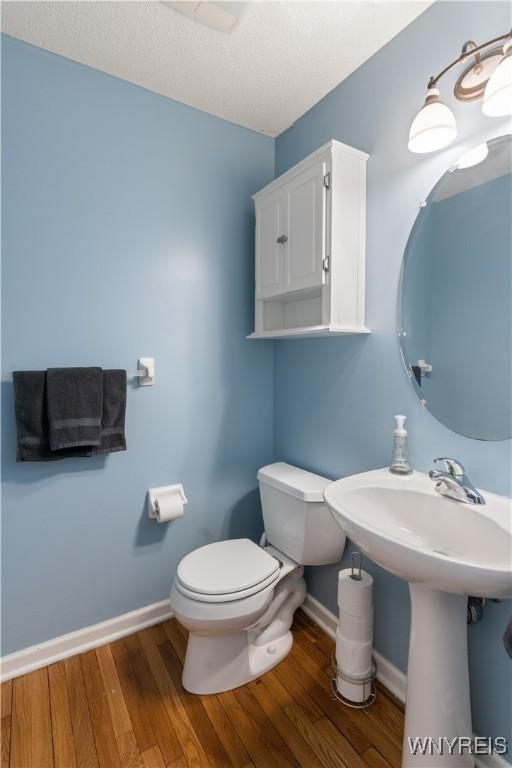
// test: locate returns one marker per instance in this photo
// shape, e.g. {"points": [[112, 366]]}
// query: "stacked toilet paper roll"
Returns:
{"points": [[354, 636]]}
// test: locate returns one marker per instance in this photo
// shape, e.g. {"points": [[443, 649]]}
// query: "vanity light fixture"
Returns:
{"points": [[498, 91], [434, 126], [489, 75]]}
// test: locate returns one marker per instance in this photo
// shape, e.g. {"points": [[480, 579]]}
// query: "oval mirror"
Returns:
{"points": [[456, 295]]}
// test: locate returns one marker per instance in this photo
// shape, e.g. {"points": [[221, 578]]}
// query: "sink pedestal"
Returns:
{"points": [[434, 543], [438, 703]]}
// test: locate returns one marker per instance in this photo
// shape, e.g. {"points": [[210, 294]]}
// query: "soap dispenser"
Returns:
{"points": [[399, 460]]}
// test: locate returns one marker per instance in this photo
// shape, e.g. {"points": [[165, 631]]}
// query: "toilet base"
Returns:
{"points": [[220, 663], [217, 662]]}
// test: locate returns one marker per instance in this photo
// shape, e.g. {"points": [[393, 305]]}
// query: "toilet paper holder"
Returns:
{"points": [[354, 689], [356, 569], [367, 684], [154, 493]]}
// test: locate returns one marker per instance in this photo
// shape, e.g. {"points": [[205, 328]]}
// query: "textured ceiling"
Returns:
{"points": [[280, 61]]}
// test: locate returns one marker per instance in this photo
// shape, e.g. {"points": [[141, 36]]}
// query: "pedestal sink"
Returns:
{"points": [[446, 550]]}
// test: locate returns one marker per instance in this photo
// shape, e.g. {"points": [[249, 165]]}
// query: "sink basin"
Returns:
{"points": [[403, 524], [446, 550]]}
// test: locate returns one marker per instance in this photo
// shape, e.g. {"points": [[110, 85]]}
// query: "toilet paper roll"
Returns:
{"points": [[166, 503], [357, 629], [354, 659], [355, 596]]}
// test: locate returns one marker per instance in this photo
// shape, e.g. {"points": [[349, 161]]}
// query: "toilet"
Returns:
{"points": [[237, 598]]}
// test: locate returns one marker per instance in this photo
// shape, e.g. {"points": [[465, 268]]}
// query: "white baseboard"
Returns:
{"points": [[81, 640], [390, 676]]}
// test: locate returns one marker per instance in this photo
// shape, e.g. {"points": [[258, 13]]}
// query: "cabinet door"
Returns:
{"points": [[305, 199], [270, 233]]}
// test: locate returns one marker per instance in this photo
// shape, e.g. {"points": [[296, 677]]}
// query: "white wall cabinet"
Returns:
{"points": [[310, 247], [269, 228]]}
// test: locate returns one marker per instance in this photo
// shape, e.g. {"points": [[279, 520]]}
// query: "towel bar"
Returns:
{"points": [[145, 372]]}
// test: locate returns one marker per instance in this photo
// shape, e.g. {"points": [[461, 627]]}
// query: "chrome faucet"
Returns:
{"points": [[454, 482]]}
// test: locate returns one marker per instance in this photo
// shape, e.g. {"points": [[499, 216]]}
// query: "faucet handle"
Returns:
{"points": [[453, 467]]}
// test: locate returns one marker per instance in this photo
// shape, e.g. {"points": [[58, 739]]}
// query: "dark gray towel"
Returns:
{"points": [[507, 638], [75, 400], [114, 410], [32, 419]]}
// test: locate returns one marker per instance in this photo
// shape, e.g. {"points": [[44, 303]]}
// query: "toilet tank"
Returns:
{"points": [[297, 520]]}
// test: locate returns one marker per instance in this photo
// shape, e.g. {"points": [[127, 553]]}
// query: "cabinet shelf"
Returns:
{"points": [[312, 332]]}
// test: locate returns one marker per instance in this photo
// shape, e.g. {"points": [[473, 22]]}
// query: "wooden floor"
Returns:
{"points": [[123, 705]]}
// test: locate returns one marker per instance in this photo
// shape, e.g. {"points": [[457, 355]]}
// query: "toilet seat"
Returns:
{"points": [[229, 597], [226, 571]]}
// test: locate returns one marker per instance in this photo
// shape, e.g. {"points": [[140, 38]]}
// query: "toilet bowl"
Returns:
{"points": [[237, 599]]}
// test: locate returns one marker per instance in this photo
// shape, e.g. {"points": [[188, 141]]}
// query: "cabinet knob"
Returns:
{"points": [[281, 239]]}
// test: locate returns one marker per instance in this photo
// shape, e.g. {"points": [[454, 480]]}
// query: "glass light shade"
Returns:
{"points": [[472, 157], [498, 91], [433, 127]]}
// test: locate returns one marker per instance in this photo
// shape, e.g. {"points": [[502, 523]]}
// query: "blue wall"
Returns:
{"points": [[334, 399], [127, 231]]}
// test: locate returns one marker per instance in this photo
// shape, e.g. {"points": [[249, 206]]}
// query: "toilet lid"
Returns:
{"points": [[226, 567]]}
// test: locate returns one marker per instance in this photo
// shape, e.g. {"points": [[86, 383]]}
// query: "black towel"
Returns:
{"points": [[75, 400], [114, 409], [32, 420]]}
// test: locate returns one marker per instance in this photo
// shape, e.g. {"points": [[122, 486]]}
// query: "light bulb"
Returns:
{"points": [[498, 91], [433, 127], [472, 157]]}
